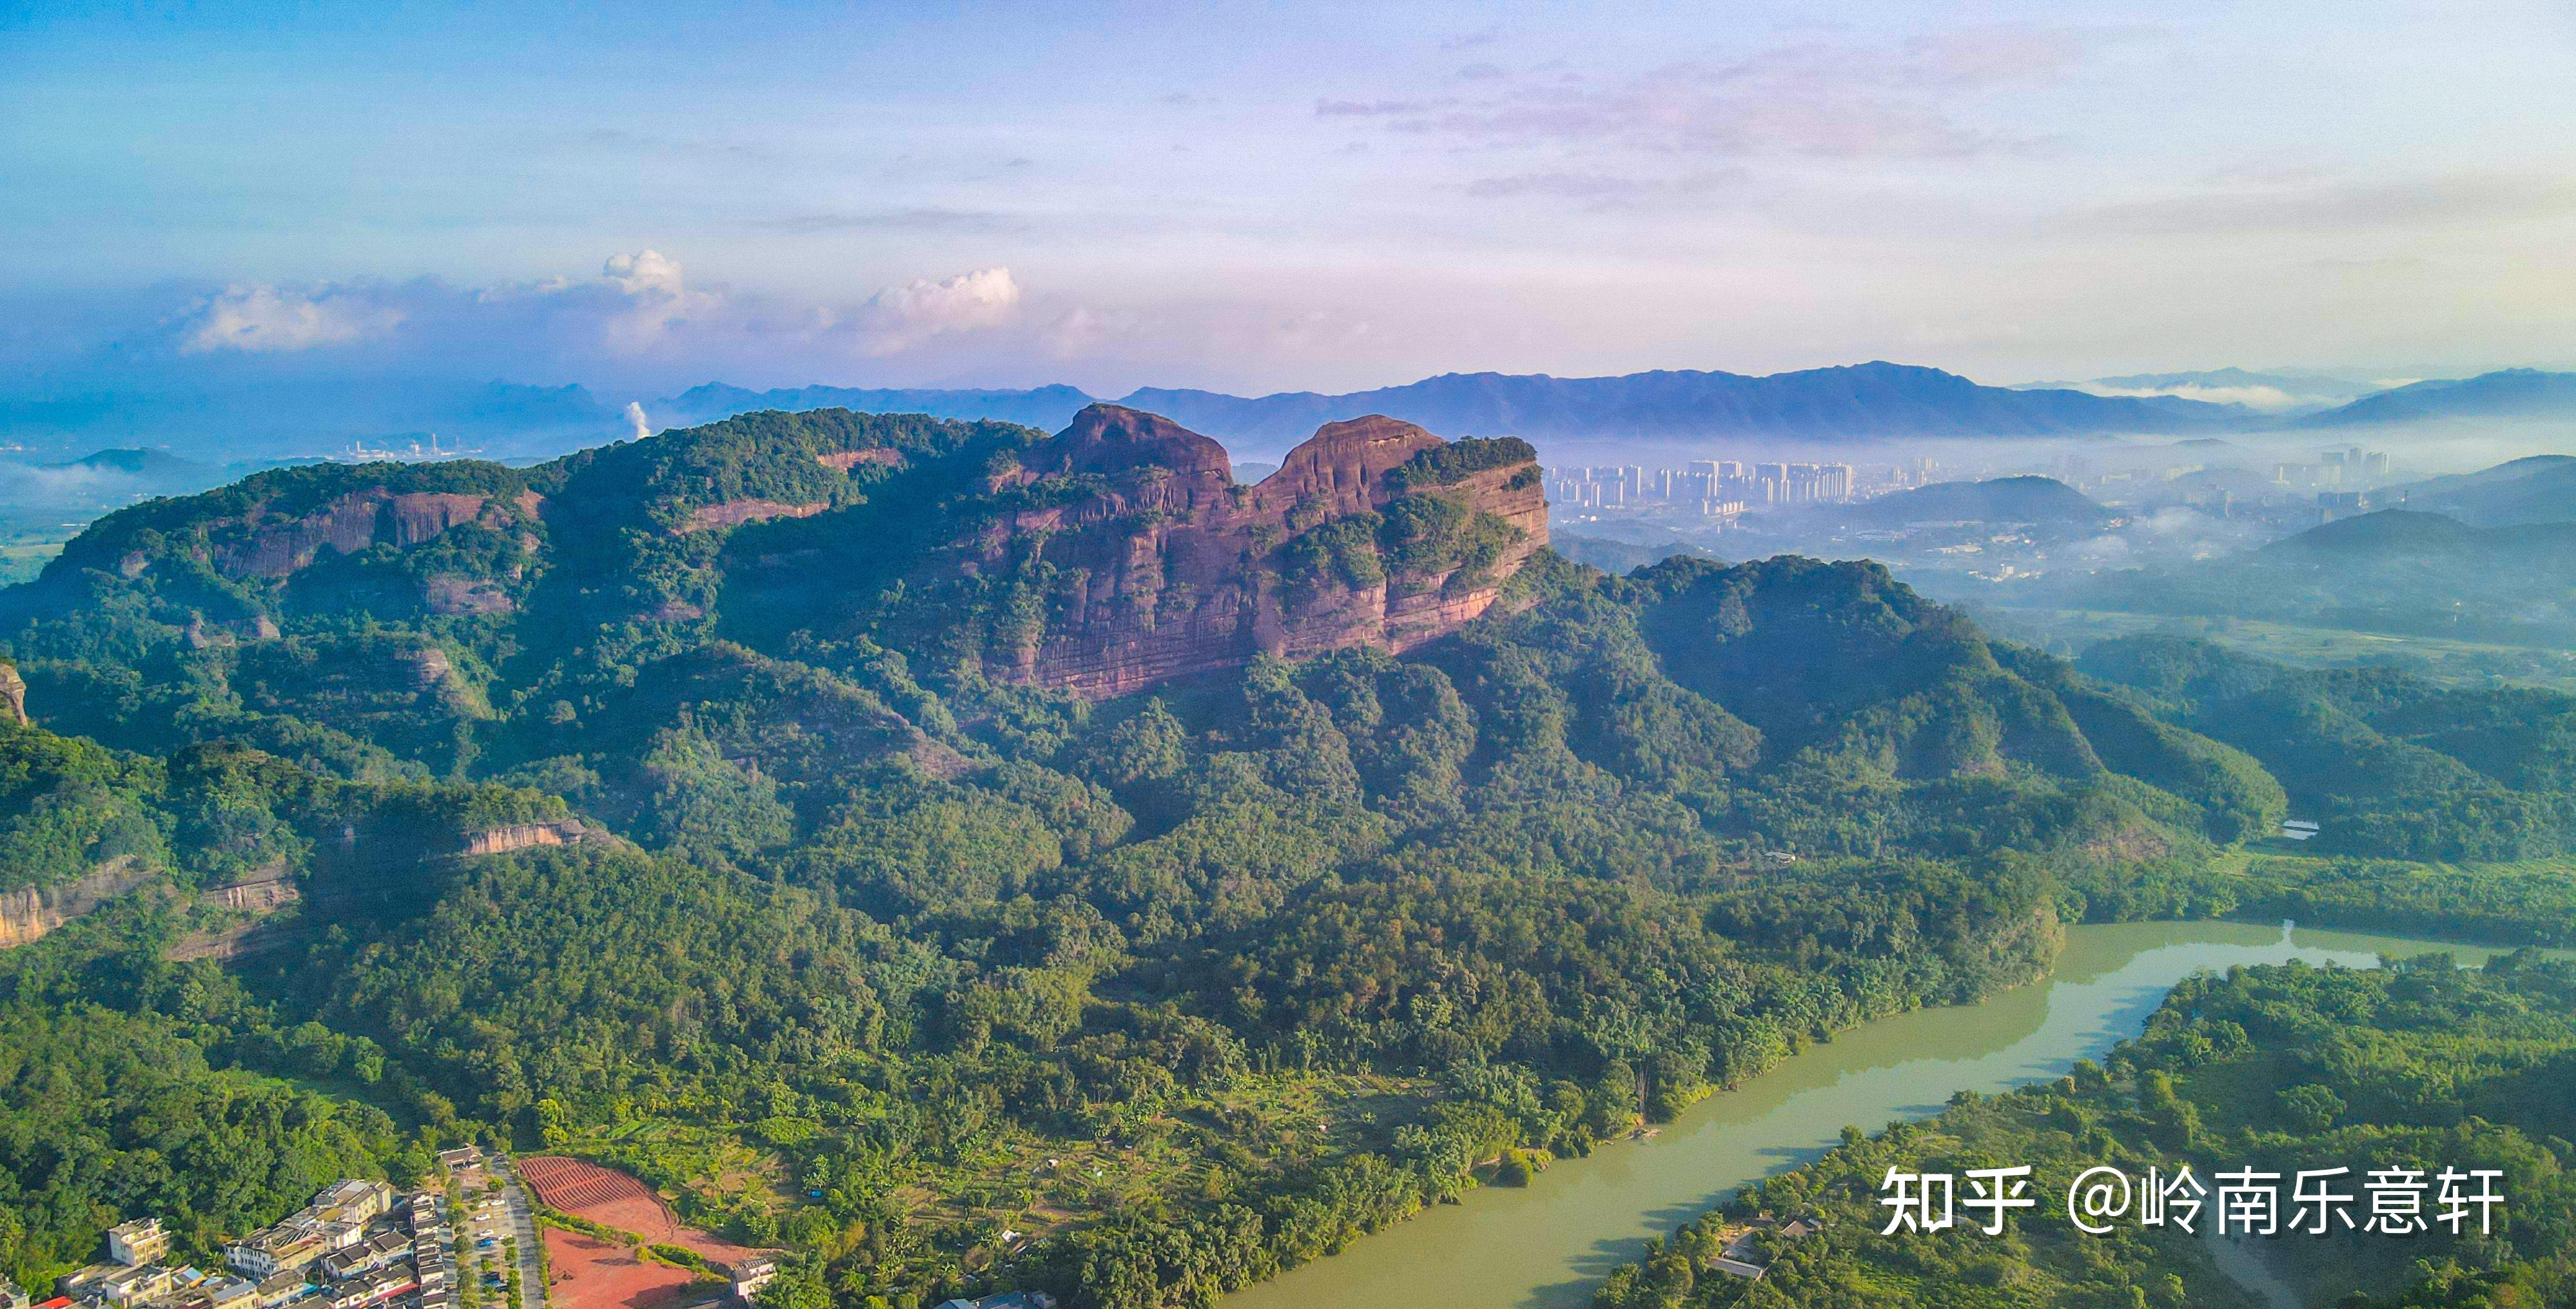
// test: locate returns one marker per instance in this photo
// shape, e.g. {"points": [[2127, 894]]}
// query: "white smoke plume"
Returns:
{"points": [[635, 416]]}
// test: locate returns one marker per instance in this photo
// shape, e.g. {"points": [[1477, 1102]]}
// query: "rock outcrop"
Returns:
{"points": [[13, 695], [522, 836], [31, 912], [1166, 567], [268, 544]]}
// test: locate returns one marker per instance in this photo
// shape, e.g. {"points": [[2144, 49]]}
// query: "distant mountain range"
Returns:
{"points": [[1857, 403], [1873, 401]]}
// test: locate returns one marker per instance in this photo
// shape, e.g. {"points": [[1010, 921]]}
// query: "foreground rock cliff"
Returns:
{"points": [[406, 604], [1158, 564]]}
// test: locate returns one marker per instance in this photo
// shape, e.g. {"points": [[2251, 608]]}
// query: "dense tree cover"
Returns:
{"points": [[210, 813], [2387, 763], [1456, 461], [886, 955], [2419, 1065], [126, 1088], [2527, 903]]}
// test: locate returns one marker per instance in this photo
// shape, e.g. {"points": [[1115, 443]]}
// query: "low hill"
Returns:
{"points": [[2539, 489], [2510, 394], [2373, 533], [2043, 500], [150, 465], [2396, 572]]}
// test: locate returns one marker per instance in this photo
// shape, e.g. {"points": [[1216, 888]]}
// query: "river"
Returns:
{"points": [[1546, 1246]]}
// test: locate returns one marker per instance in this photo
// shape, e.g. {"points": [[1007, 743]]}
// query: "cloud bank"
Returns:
{"points": [[267, 320], [642, 308]]}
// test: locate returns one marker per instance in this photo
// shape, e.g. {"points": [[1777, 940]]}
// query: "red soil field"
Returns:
{"points": [[605, 1195], [590, 1273]]}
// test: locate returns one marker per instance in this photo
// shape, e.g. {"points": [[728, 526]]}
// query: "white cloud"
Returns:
{"points": [[266, 320], [2267, 399], [900, 317], [638, 310], [659, 296], [644, 272]]}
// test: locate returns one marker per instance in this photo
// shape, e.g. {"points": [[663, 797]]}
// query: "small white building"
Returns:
{"points": [[138, 1243]]}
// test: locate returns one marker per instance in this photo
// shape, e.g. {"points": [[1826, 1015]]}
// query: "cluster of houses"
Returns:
{"points": [[357, 1245]]}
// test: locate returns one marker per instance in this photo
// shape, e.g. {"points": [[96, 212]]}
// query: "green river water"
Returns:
{"points": [[1547, 1245]]}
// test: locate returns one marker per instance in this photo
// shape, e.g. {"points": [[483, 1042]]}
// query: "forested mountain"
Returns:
{"points": [[2386, 763], [884, 831]]}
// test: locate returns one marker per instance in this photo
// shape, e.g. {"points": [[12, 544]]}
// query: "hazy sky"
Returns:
{"points": [[1282, 196]]}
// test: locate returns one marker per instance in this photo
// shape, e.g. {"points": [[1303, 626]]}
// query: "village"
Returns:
{"points": [[364, 1245]]}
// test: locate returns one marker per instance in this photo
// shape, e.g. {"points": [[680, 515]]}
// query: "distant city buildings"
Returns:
{"points": [[2350, 467], [1718, 489]]}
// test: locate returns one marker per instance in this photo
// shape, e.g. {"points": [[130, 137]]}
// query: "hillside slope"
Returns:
{"points": [[2508, 394]]}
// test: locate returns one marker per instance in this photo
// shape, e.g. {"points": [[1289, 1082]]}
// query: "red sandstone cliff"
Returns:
{"points": [[1171, 568]]}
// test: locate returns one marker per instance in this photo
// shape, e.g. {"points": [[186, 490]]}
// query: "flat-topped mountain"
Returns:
{"points": [[1121, 552], [1111, 556]]}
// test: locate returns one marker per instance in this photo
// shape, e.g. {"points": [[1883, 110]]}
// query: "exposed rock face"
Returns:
{"points": [[271, 546], [13, 695], [735, 513], [260, 891], [842, 461], [1167, 567], [30, 913], [465, 595], [521, 836]]}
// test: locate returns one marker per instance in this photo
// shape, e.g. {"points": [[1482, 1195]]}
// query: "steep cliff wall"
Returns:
{"points": [[13, 695], [1164, 566], [30, 913]]}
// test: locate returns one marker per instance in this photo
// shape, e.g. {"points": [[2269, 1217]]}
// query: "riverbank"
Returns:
{"points": [[1547, 1245]]}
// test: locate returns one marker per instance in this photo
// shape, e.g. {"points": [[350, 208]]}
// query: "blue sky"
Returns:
{"points": [[1278, 196]]}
